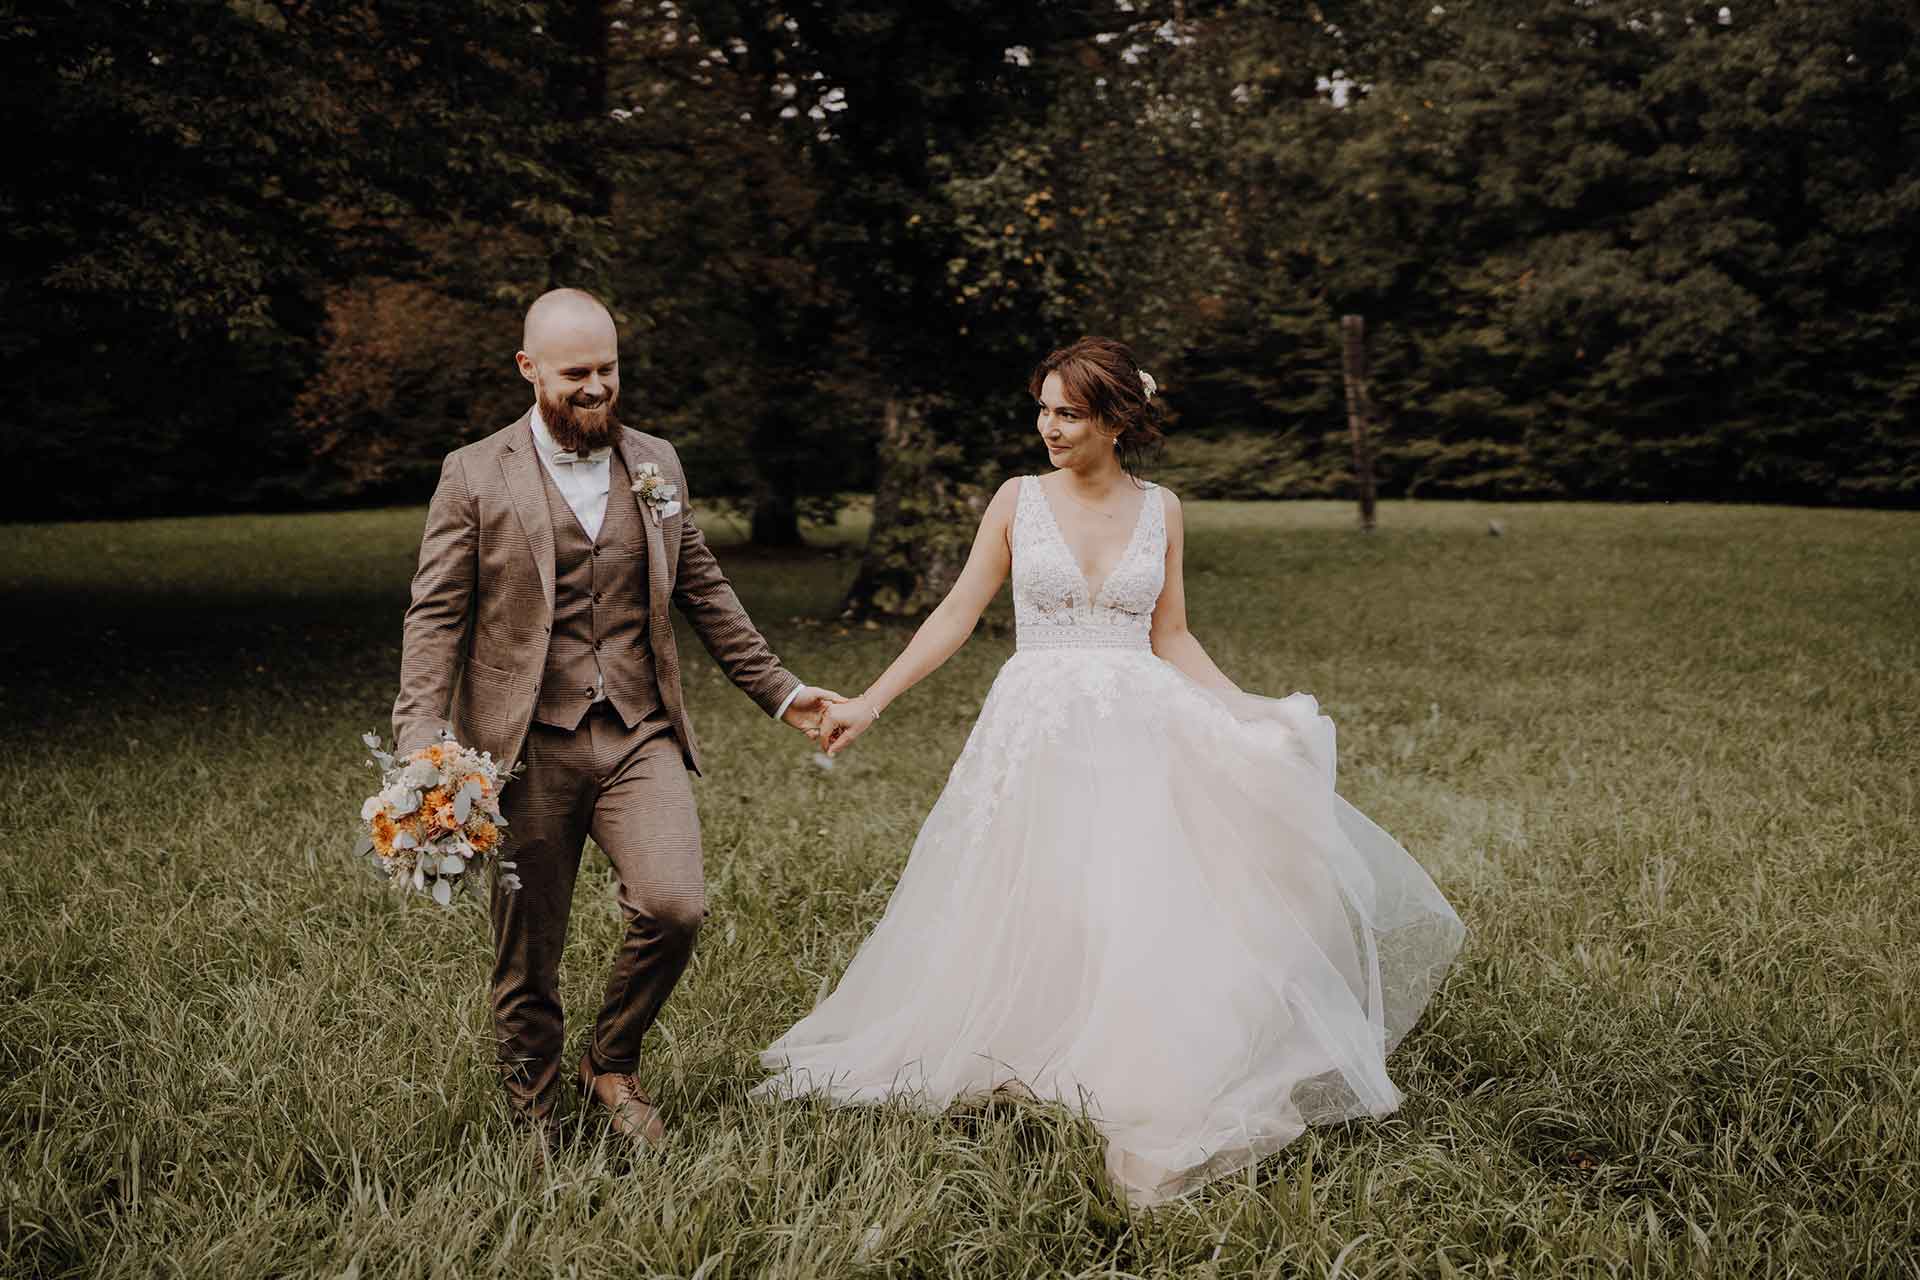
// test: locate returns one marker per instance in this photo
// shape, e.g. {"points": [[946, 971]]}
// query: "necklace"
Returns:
{"points": [[1106, 515]]}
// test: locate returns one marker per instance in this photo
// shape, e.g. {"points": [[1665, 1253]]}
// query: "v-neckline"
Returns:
{"points": [[1086, 584]]}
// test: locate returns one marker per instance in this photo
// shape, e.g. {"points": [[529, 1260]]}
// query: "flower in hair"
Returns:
{"points": [[1147, 384]]}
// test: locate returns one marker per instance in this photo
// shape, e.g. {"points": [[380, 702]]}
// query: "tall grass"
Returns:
{"points": [[1662, 758]]}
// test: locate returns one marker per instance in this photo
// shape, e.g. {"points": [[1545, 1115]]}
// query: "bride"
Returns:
{"points": [[1138, 892]]}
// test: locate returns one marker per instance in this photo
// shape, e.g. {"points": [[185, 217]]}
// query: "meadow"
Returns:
{"points": [[1663, 759]]}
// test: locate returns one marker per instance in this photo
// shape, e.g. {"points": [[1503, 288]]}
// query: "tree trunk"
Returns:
{"points": [[776, 518], [923, 523], [1360, 419]]}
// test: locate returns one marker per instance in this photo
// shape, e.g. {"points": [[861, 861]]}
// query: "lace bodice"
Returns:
{"points": [[1052, 605]]}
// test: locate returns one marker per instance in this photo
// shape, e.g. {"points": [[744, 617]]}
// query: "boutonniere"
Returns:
{"points": [[662, 498]]}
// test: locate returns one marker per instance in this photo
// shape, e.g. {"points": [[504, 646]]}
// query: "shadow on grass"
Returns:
{"points": [[111, 626]]}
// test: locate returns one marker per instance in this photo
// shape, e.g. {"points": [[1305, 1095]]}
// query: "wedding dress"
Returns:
{"points": [[1135, 895]]}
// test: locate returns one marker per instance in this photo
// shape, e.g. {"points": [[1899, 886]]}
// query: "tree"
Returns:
{"points": [[749, 350], [212, 170], [1606, 253]]}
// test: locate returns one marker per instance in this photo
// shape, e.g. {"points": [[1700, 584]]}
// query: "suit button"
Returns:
{"points": [[599, 596]]}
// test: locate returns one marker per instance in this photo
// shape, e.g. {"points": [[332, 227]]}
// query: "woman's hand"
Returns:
{"points": [[842, 722]]}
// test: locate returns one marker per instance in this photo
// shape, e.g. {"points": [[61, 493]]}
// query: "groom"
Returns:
{"points": [[539, 632]]}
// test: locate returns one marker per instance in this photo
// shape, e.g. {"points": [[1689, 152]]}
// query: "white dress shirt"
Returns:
{"points": [[583, 482]]}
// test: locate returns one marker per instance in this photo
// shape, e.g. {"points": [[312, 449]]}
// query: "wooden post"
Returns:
{"points": [[1353, 330]]}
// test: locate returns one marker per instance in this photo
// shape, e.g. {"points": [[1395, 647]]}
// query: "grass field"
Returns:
{"points": [[1663, 759]]}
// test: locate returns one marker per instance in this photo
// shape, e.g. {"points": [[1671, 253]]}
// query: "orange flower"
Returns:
{"points": [[383, 833], [479, 780], [483, 835], [431, 816]]}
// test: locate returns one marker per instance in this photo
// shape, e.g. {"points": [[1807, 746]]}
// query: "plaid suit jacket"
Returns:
{"points": [[485, 584]]}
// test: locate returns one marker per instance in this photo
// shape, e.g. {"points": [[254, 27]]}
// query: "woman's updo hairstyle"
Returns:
{"points": [[1102, 376]]}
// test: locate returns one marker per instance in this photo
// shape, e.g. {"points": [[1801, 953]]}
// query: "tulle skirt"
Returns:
{"points": [[1141, 897]]}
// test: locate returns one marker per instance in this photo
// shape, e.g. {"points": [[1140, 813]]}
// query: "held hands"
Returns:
{"points": [[828, 718], [844, 721], [808, 707]]}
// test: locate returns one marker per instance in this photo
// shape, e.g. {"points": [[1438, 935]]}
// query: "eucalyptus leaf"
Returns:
{"points": [[442, 892], [452, 865], [363, 846], [463, 803], [405, 840]]}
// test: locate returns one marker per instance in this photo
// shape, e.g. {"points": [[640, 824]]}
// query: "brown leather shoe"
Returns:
{"points": [[630, 1112], [541, 1141]]}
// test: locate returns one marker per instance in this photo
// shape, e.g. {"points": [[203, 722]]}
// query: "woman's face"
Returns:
{"points": [[1068, 429]]}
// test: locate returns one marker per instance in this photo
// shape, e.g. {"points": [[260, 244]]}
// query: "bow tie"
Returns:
{"points": [[567, 457]]}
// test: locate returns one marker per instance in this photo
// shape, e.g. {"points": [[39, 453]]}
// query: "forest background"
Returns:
{"points": [[274, 253]]}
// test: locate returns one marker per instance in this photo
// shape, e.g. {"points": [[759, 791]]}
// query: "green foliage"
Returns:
{"points": [[207, 172], [1247, 464], [1602, 249], [744, 349], [1603, 252], [1661, 757]]}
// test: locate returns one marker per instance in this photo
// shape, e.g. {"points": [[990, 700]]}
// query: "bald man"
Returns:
{"points": [[539, 631]]}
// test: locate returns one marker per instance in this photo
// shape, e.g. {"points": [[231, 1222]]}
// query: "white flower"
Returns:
{"points": [[1148, 385], [399, 800], [420, 773], [662, 498], [373, 805]]}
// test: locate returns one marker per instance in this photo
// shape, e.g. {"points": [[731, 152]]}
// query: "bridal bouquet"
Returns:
{"points": [[436, 819]]}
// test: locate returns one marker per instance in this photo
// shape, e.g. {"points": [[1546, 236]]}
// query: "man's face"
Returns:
{"points": [[576, 379]]}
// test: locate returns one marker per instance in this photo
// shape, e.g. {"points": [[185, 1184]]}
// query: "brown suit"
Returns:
{"points": [[492, 655]]}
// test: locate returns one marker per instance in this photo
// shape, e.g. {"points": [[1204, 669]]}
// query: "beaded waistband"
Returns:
{"points": [[1069, 636]]}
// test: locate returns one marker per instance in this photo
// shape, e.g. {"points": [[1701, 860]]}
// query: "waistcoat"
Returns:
{"points": [[599, 612]]}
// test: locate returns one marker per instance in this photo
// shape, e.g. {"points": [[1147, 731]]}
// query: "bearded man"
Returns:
{"points": [[539, 631]]}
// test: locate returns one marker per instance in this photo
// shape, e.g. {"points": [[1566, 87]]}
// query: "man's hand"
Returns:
{"points": [[804, 712]]}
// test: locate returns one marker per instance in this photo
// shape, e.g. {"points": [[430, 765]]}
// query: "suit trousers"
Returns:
{"points": [[629, 790]]}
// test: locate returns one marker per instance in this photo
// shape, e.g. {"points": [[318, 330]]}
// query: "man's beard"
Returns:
{"points": [[579, 429]]}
